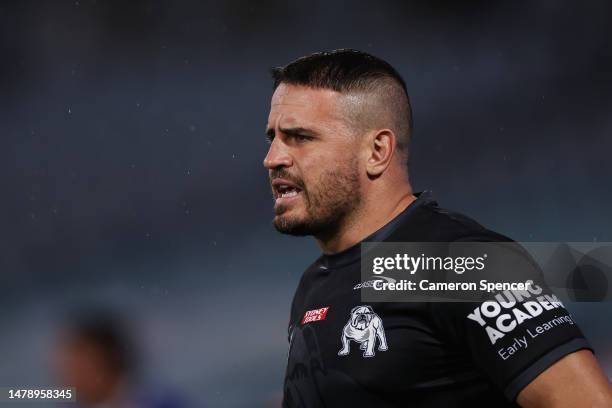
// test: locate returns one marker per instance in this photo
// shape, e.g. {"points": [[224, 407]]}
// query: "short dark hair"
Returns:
{"points": [[347, 70]]}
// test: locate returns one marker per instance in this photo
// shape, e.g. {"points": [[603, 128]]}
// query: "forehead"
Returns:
{"points": [[296, 105]]}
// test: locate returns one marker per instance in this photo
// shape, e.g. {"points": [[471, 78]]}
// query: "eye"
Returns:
{"points": [[302, 138]]}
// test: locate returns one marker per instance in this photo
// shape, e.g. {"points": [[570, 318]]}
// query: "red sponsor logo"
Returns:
{"points": [[315, 314]]}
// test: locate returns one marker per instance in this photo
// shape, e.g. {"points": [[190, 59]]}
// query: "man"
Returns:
{"points": [[339, 130], [96, 356]]}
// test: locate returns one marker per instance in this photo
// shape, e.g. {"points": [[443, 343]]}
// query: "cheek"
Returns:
{"points": [[319, 166]]}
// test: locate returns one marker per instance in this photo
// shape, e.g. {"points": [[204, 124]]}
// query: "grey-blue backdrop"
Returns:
{"points": [[132, 136]]}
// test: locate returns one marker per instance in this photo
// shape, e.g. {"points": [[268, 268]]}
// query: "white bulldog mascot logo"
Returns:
{"points": [[364, 327]]}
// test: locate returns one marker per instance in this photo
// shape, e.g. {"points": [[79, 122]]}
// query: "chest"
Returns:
{"points": [[333, 334]]}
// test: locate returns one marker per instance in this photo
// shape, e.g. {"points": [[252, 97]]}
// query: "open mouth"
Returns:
{"points": [[285, 190]]}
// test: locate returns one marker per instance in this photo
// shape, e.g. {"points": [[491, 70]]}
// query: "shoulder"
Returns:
{"points": [[431, 223]]}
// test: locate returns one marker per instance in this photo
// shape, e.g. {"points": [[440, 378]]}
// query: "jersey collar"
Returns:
{"points": [[353, 254]]}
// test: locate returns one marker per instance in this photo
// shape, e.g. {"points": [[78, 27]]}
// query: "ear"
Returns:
{"points": [[380, 149]]}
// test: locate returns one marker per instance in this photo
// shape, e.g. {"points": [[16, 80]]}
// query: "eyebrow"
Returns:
{"points": [[292, 131]]}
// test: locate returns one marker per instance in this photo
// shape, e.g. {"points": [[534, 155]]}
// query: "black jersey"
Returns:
{"points": [[416, 354]]}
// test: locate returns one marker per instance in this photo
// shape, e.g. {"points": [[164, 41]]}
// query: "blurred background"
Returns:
{"points": [[132, 140]]}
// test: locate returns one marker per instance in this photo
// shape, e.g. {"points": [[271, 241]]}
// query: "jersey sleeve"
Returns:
{"points": [[511, 336]]}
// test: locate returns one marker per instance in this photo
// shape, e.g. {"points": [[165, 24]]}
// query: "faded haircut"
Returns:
{"points": [[377, 84]]}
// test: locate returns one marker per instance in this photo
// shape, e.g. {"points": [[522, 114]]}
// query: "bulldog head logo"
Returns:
{"points": [[364, 327]]}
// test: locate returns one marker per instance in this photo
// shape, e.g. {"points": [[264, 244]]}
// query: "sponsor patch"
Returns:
{"points": [[315, 315]]}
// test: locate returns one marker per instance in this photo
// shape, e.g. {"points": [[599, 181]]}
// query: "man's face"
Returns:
{"points": [[313, 160]]}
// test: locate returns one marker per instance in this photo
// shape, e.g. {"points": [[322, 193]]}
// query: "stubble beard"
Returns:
{"points": [[330, 203]]}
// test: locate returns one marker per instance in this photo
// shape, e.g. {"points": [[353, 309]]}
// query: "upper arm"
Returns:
{"points": [[576, 380], [518, 338]]}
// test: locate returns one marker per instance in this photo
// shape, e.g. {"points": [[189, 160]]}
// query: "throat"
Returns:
{"points": [[359, 225], [341, 236]]}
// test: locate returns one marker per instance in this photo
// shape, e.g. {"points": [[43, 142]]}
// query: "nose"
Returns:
{"points": [[277, 155]]}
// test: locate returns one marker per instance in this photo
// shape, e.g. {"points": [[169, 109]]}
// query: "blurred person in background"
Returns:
{"points": [[98, 357]]}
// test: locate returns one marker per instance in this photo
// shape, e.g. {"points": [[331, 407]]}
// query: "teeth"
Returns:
{"points": [[287, 191], [287, 194]]}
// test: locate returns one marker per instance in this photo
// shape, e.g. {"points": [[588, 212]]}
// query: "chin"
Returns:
{"points": [[292, 225]]}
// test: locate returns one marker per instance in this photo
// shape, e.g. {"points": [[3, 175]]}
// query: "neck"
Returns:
{"points": [[373, 215]]}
